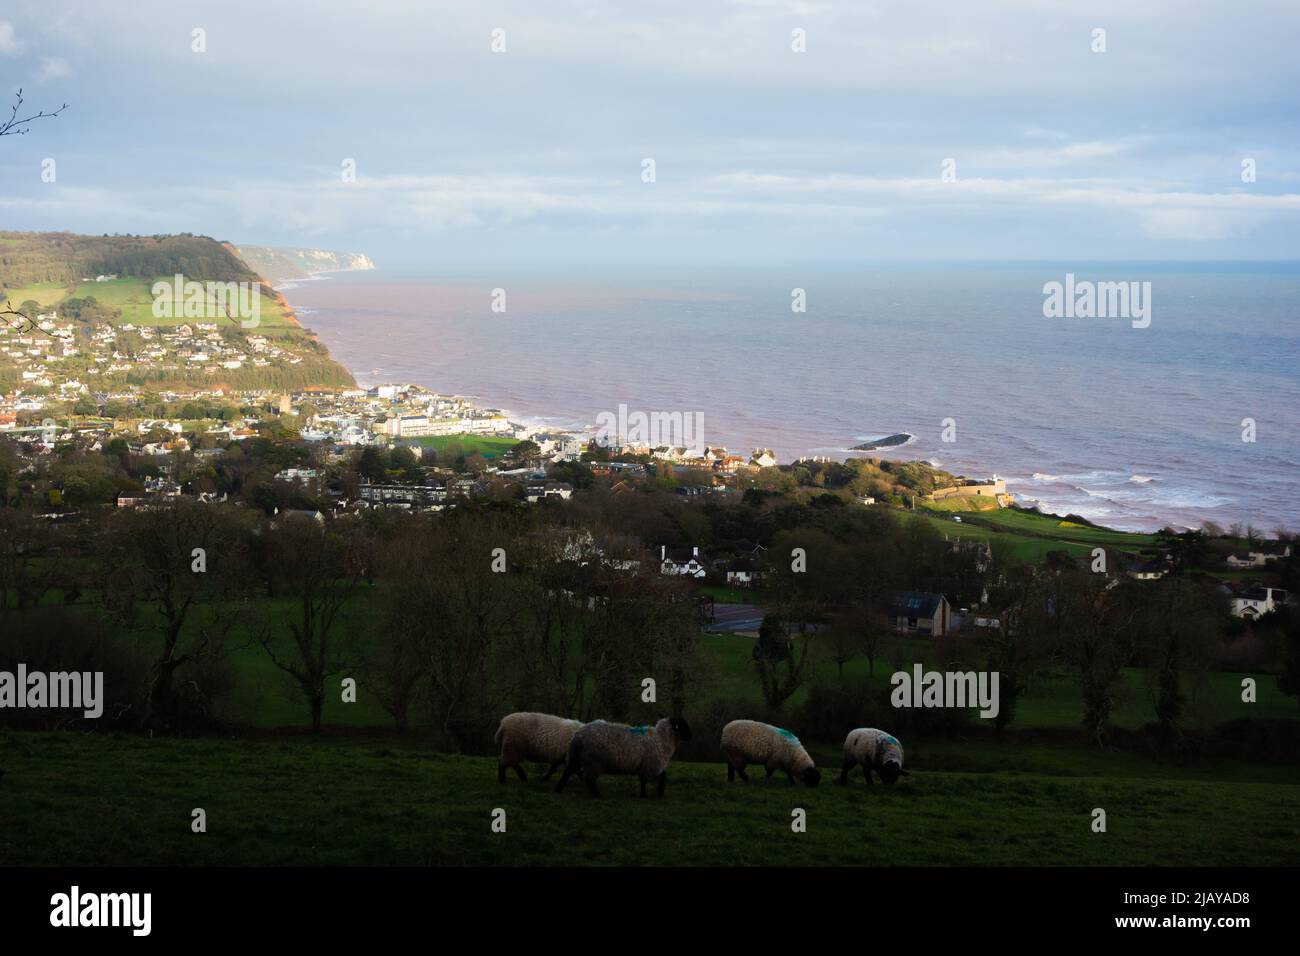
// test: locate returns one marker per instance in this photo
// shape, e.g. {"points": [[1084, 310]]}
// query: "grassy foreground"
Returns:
{"points": [[71, 799]]}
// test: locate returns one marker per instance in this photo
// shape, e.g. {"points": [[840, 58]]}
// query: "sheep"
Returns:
{"points": [[529, 736], [601, 747], [875, 750], [748, 741]]}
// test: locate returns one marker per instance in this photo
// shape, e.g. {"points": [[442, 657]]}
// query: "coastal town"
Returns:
{"points": [[73, 400]]}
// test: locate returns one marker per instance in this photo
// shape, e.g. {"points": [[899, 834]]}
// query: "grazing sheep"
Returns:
{"points": [[600, 747], [748, 741], [875, 750], [538, 737]]}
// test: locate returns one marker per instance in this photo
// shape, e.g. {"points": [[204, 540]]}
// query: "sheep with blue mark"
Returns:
{"points": [[750, 741], [874, 750], [601, 747]]}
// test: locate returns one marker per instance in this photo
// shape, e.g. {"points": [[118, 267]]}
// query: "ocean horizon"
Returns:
{"points": [[1131, 427]]}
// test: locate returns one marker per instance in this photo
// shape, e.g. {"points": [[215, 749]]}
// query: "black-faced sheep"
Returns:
{"points": [[538, 737], [600, 747], [749, 741], [874, 750]]}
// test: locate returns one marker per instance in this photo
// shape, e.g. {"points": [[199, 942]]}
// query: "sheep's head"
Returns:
{"points": [[891, 770], [812, 776], [681, 729]]}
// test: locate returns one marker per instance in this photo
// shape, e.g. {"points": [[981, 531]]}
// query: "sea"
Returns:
{"points": [[1190, 419]]}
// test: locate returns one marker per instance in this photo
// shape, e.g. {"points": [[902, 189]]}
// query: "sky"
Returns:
{"points": [[537, 152]]}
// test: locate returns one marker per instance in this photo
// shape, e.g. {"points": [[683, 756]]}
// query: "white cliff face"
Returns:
{"points": [[282, 263]]}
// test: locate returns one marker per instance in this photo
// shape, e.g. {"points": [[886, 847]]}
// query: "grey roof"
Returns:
{"points": [[914, 603]]}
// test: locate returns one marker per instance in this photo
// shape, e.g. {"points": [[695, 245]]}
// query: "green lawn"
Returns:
{"points": [[74, 800], [134, 297], [1028, 536], [1030, 523], [488, 446], [46, 293], [1023, 548]]}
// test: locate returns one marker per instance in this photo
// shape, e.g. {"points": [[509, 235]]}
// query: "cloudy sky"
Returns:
{"points": [[761, 153]]}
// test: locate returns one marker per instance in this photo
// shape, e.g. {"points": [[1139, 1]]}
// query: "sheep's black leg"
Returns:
{"points": [[731, 772], [844, 774], [770, 770], [741, 770], [866, 771], [643, 787], [501, 772], [591, 784], [519, 771], [555, 766], [663, 782], [564, 777], [791, 776]]}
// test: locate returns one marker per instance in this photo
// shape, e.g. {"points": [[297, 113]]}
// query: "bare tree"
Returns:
{"points": [[320, 577], [159, 567], [780, 665], [1095, 635], [15, 126], [26, 573]]}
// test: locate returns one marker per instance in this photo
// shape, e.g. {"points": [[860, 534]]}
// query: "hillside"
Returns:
{"points": [[101, 289], [279, 263], [63, 259]]}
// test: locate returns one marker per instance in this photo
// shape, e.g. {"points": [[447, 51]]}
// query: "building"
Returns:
{"points": [[920, 612], [743, 573], [411, 496], [1254, 603], [995, 488], [539, 491], [1257, 559], [690, 563], [1145, 570]]}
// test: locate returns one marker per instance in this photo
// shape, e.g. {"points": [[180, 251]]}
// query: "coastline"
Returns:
{"points": [[1139, 496]]}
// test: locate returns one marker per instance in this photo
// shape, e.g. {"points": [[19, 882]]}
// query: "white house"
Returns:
{"points": [[678, 561], [743, 573], [1254, 603], [1257, 559], [549, 489]]}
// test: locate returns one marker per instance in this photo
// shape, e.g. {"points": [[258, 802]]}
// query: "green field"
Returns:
{"points": [[1028, 536], [1031, 523], [74, 799], [134, 298], [486, 445], [45, 293]]}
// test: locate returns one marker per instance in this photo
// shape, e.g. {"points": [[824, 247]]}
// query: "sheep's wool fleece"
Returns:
{"points": [[755, 742], [618, 748], [540, 737], [870, 746]]}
